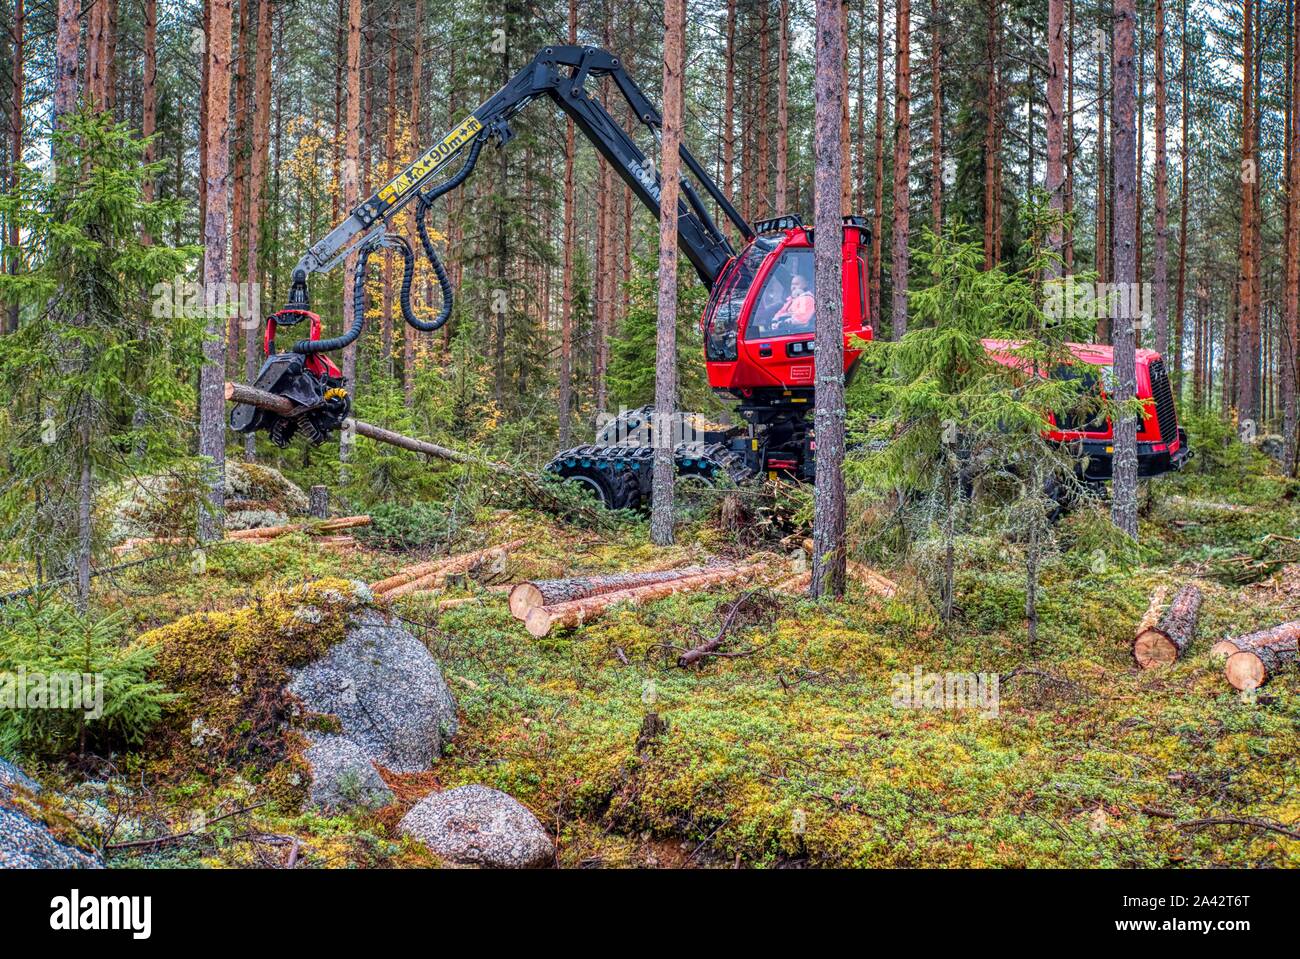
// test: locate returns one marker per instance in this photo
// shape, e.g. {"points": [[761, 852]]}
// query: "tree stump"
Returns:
{"points": [[319, 502]]}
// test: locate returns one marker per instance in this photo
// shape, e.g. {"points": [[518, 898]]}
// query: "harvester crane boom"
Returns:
{"points": [[559, 72]]}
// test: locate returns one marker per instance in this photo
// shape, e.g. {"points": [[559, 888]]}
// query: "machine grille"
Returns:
{"points": [[1163, 394]]}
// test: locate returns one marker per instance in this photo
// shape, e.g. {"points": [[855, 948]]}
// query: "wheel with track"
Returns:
{"points": [[616, 489]]}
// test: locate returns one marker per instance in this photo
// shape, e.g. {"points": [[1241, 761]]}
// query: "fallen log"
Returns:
{"points": [[328, 526], [542, 619], [552, 592], [1161, 641], [436, 574], [1255, 658], [860, 572], [798, 583]]}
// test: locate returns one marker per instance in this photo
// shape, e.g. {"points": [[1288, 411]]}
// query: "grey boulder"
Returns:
{"points": [[475, 825], [386, 691], [26, 843], [342, 776]]}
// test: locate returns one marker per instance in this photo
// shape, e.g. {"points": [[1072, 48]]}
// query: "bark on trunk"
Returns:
{"points": [[899, 259], [1161, 642], [212, 407], [828, 361], [570, 239], [936, 121], [878, 200], [1291, 337], [1247, 345], [661, 510], [1124, 481], [1055, 182], [10, 323], [990, 136], [261, 139], [1180, 306], [65, 60], [542, 619], [783, 112], [552, 592], [351, 197], [1160, 277], [1254, 659]]}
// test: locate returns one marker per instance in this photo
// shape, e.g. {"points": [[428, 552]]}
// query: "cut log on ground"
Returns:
{"points": [[1255, 658], [424, 576], [542, 619], [551, 592], [1162, 641], [328, 526], [798, 583], [860, 572]]}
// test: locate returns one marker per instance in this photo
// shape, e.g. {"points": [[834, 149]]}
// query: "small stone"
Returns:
{"points": [[476, 825]]}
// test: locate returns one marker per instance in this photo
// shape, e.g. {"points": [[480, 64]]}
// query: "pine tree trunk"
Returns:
{"points": [[936, 121], [65, 60], [351, 197], [899, 257], [390, 170], [10, 324], [1291, 338], [990, 136], [1124, 479], [149, 92], [661, 513], [729, 107], [878, 200], [846, 153], [239, 161], [212, 400], [416, 139], [570, 240], [1160, 278], [1067, 251], [1180, 306], [763, 208], [828, 173], [1055, 183], [261, 136], [1247, 340], [783, 112], [1101, 211]]}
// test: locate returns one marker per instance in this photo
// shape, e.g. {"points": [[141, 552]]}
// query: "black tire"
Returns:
{"points": [[616, 489]]}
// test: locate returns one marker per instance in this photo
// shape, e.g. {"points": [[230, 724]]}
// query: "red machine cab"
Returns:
{"points": [[760, 321]]}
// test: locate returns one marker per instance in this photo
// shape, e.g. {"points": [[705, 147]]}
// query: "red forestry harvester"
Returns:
{"points": [[758, 326]]}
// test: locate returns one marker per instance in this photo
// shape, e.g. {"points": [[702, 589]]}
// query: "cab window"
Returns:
{"points": [[722, 319], [785, 304]]}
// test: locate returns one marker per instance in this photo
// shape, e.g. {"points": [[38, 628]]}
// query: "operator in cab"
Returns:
{"points": [[796, 315]]}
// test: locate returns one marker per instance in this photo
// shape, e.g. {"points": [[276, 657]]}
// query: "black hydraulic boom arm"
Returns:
{"points": [[559, 72]]}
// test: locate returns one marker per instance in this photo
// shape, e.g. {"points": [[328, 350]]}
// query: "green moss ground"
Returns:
{"points": [[793, 753]]}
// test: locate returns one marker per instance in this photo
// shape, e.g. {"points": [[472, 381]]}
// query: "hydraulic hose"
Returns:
{"points": [[423, 204]]}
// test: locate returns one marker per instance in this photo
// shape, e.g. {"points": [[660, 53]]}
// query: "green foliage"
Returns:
{"points": [[417, 526], [44, 642], [96, 389], [632, 351]]}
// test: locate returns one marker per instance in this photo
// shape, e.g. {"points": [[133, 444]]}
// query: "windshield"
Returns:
{"points": [[785, 305], [722, 320]]}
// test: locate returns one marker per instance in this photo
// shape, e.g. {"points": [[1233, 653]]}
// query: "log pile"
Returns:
{"points": [[328, 533], [1253, 659], [540, 620], [1162, 639], [434, 573]]}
